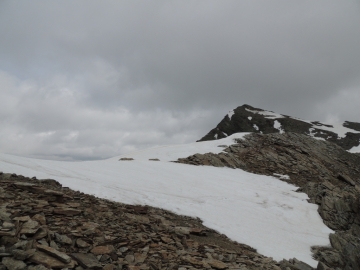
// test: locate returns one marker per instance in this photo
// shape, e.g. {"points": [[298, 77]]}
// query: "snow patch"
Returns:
{"points": [[230, 114], [256, 127], [312, 134], [173, 152], [277, 125], [225, 134], [282, 176], [355, 149], [250, 118], [339, 129], [216, 136]]}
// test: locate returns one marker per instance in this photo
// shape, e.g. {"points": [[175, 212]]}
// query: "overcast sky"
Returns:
{"points": [[95, 79]]}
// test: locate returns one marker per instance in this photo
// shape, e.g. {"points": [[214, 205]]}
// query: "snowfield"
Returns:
{"points": [[260, 211]]}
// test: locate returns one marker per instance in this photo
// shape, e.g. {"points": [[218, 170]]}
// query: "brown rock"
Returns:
{"points": [[140, 219], [39, 218], [73, 204], [346, 179], [90, 226], [22, 219], [193, 261], [109, 267], [197, 231], [23, 185], [217, 264], [140, 258], [166, 239], [100, 250], [88, 261], [57, 254], [130, 258], [81, 243], [49, 261], [41, 233]]}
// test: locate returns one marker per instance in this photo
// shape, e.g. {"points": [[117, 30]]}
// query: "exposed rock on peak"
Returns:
{"points": [[249, 119]]}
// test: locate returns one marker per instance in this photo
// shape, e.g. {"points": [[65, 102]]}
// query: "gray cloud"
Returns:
{"points": [[91, 79]]}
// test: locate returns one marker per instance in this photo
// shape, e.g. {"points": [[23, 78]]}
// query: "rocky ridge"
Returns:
{"points": [[323, 170], [246, 118], [46, 226]]}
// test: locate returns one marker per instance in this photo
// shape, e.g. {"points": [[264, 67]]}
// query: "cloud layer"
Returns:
{"points": [[89, 79]]}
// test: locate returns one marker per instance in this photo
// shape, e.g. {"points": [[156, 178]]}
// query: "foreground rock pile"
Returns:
{"points": [[46, 226], [325, 171]]}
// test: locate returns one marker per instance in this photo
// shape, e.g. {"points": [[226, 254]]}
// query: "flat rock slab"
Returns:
{"points": [[101, 250], [63, 239], [55, 253], [49, 261], [22, 219], [88, 261], [217, 264]]}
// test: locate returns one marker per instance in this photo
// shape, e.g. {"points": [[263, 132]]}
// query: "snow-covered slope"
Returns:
{"points": [[260, 211], [173, 152]]}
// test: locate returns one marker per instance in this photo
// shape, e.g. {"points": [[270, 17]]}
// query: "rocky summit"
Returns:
{"points": [[249, 119]]}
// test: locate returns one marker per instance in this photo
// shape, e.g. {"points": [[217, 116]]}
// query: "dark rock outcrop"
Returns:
{"points": [[249, 119]]}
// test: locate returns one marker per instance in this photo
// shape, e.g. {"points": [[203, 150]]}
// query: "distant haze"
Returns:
{"points": [[94, 79]]}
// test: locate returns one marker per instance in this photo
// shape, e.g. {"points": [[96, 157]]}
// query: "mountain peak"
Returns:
{"points": [[246, 118]]}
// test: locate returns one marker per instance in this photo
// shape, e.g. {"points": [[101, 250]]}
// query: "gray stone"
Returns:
{"points": [[23, 255], [88, 261], [130, 258], [13, 264], [30, 227], [4, 215], [49, 261], [81, 243], [63, 239]]}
